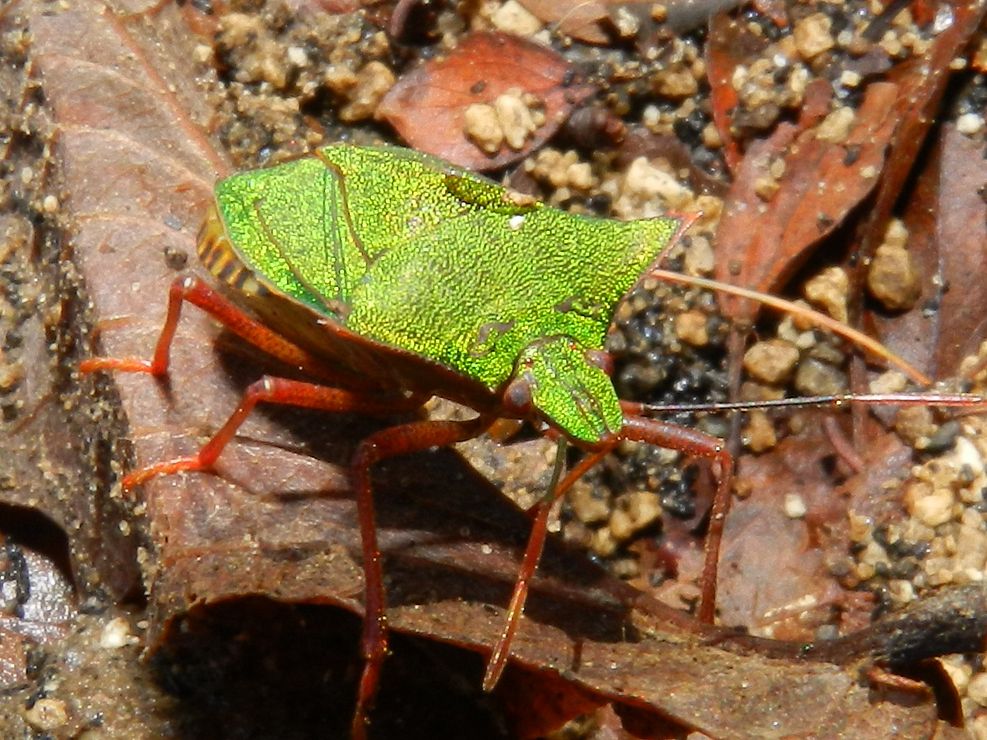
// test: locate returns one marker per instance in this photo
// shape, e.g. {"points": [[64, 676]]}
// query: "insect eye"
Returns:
{"points": [[602, 360], [517, 398]]}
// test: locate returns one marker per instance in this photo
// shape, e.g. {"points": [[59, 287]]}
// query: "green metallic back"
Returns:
{"points": [[314, 226], [411, 252], [477, 289]]}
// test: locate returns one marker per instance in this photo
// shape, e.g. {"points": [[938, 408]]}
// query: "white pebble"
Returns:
{"points": [[116, 634], [795, 507]]}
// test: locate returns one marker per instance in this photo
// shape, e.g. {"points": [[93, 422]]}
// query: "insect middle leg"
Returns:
{"points": [[284, 392]]}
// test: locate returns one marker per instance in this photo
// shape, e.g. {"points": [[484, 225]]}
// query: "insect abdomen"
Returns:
{"points": [[217, 254]]}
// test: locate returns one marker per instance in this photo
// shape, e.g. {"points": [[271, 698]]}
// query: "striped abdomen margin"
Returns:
{"points": [[217, 254]]}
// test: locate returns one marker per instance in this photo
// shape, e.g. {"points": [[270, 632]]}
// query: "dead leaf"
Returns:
{"points": [[580, 19], [785, 590], [730, 43], [922, 82], [428, 105], [946, 242], [765, 235]]}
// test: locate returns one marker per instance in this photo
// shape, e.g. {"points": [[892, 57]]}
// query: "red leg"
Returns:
{"points": [[399, 440], [696, 444], [529, 563], [280, 391], [197, 292], [652, 431]]}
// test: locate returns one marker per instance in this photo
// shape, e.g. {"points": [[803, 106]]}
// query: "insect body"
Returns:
{"points": [[391, 276]]}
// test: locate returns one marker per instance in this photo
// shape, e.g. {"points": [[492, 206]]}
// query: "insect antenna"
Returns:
{"points": [[821, 320]]}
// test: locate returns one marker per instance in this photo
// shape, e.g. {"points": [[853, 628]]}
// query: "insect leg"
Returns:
{"points": [[392, 442], [529, 563], [635, 428], [696, 444], [197, 292], [278, 391]]}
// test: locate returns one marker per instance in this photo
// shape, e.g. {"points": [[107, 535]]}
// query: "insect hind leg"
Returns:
{"points": [[193, 290]]}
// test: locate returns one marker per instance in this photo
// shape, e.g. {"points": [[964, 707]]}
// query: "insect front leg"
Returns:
{"points": [[392, 442], [696, 444], [529, 564], [639, 429]]}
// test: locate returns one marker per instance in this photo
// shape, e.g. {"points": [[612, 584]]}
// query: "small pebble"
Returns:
{"points": [[835, 128], [699, 257], [647, 181], [759, 433], [958, 670], [970, 124], [116, 634], [604, 543], [861, 527], [372, 83], [971, 548], [901, 591], [690, 327], [977, 689], [482, 127], [890, 381], [676, 82], [829, 290], [515, 118], [297, 56], [642, 509], [711, 137], [588, 507], [892, 278], [47, 714], [514, 18], [771, 361], [931, 506], [914, 424], [816, 378], [891, 43], [812, 35], [795, 507], [849, 78]]}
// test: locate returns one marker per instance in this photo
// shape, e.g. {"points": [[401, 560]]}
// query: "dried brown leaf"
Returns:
{"points": [[730, 44], [580, 19], [922, 82], [765, 235], [946, 243], [427, 105]]}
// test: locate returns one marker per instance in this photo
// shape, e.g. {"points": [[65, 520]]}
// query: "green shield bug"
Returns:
{"points": [[390, 277]]}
